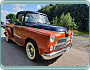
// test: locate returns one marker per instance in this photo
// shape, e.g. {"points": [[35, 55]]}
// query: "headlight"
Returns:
{"points": [[52, 38]]}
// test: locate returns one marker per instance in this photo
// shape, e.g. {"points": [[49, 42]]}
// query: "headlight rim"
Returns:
{"points": [[52, 38]]}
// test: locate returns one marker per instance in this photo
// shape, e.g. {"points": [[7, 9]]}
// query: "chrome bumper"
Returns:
{"points": [[54, 54]]}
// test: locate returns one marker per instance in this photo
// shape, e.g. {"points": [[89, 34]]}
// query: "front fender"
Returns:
{"points": [[41, 37], [9, 32]]}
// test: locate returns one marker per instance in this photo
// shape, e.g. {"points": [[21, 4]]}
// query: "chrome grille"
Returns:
{"points": [[60, 40], [62, 43]]}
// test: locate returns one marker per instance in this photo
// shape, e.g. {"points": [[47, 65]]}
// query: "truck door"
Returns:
{"points": [[18, 29]]}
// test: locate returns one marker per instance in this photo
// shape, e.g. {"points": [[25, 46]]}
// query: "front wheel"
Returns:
{"points": [[32, 51]]}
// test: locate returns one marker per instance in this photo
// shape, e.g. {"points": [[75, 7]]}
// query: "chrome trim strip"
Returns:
{"points": [[54, 54], [59, 44]]}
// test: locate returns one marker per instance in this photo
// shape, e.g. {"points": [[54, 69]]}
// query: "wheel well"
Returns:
{"points": [[29, 39]]}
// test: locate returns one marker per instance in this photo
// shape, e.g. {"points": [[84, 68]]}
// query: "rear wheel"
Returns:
{"points": [[32, 50]]}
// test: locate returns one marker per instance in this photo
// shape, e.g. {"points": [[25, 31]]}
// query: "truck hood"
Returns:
{"points": [[47, 27]]}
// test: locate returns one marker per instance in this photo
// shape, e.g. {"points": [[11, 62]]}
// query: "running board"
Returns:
{"points": [[16, 41]]}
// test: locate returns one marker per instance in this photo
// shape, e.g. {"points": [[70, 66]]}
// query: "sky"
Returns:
{"points": [[14, 8]]}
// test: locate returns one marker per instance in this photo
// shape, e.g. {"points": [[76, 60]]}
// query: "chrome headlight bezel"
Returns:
{"points": [[52, 38]]}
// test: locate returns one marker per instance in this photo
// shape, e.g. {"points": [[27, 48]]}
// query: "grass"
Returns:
{"points": [[75, 32]]}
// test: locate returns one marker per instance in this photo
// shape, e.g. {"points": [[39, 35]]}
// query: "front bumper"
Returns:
{"points": [[55, 54]]}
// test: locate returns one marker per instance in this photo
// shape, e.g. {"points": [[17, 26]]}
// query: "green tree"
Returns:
{"points": [[61, 20], [55, 21], [67, 21], [11, 18]]}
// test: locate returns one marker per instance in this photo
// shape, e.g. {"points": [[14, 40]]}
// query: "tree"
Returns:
{"points": [[67, 21], [55, 21], [61, 20], [11, 18], [80, 13]]}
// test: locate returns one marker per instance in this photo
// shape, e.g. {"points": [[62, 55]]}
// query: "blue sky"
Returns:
{"points": [[14, 8]]}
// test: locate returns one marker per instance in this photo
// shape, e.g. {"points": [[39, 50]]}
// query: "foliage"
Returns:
{"points": [[55, 21], [65, 21], [80, 13], [11, 18], [75, 32]]}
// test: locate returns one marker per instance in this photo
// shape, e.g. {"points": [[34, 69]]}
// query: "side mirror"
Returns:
{"points": [[17, 20]]}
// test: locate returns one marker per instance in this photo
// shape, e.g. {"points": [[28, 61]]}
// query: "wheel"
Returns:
{"points": [[32, 51], [7, 37]]}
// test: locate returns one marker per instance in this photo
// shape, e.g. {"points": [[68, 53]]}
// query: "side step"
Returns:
{"points": [[16, 41]]}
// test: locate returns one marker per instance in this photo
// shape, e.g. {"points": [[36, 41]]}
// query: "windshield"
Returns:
{"points": [[36, 18]]}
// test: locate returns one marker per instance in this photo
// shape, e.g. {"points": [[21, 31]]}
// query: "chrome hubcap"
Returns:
{"points": [[30, 51]]}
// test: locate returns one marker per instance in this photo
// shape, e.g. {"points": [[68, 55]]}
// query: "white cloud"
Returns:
{"points": [[18, 9], [14, 13], [19, 5], [3, 15], [38, 7]]}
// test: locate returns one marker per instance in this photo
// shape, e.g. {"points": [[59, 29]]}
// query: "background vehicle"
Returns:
{"points": [[2, 24]]}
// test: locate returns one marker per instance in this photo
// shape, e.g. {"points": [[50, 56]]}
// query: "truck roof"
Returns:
{"points": [[24, 12]]}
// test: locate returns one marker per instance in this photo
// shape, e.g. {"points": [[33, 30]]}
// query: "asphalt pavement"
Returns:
{"points": [[15, 55]]}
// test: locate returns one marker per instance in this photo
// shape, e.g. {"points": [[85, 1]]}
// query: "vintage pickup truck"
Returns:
{"points": [[33, 30]]}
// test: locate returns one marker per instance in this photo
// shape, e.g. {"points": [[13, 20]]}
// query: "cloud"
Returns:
{"points": [[18, 9], [14, 13], [19, 5], [38, 7], [3, 15]]}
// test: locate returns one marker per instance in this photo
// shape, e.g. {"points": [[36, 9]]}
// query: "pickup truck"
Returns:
{"points": [[33, 30]]}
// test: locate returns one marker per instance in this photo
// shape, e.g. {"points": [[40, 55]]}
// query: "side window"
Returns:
{"points": [[20, 18], [27, 18]]}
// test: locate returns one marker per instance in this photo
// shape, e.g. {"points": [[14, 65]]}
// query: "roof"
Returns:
{"points": [[24, 12]]}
